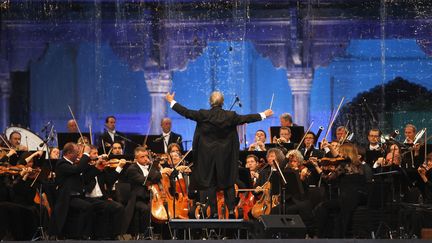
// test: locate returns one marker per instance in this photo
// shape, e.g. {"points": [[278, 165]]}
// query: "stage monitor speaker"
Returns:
{"points": [[283, 226]]}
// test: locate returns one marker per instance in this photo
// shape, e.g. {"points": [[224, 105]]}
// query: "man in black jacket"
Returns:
{"points": [[216, 147], [70, 190], [168, 136], [97, 180], [140, 175]]}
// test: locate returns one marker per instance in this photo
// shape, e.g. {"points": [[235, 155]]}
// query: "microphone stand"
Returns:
{"points": [[150, 227], [173, 176], [235, 102], [40, 232], [282, 187], [126, 139]]}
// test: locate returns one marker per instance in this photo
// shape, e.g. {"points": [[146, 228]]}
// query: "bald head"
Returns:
{"points": [[72, 126], [216, 99]]}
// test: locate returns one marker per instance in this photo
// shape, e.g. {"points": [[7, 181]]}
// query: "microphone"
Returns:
{"points": [[178, 140], [237, 99], [46, 126]]}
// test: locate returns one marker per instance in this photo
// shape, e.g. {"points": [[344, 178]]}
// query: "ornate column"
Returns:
{"points": [[300, 81], [158, 84], [5, 87]]}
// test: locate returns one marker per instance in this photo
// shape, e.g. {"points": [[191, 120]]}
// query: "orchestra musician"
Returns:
{"points": [[259, 142], [252, 163], [296, 201], [72, 126], [110, 134], [425, 172], [169, 136], [374, 149], [273, 154], [70, 192], [54, 153], [117, 149], [19, 216], [341, 133], [15, 141], [216, 147], [352, 181], [284, 136], [140, 175], [308, 149], [286, 120], [96, 182]]}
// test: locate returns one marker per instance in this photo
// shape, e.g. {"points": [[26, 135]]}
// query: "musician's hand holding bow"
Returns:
{"points": [[11, 152]]}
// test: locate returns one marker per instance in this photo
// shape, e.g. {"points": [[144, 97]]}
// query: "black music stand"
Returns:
{"points": [[385, 178], [297, 133], [64, 138]]}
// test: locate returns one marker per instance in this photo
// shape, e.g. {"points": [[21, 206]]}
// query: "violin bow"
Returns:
{"points": [[184, 157], [148, 131], [73, 117], [301, 141], [334, 117]]}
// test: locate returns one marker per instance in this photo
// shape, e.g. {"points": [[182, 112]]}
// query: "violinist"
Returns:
{"points": [[411, 157], [352, 181], [7, 156], [54, 153], [117, 149], [96, 181], [331, 150], [20, 215], [425, 172], [140, 175], [296, 201], [341, 134], [392, 159], [70, 192]]}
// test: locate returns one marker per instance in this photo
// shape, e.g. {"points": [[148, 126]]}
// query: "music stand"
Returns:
{"points": [[64, 138], [297, 133], [244, 177], [154, 145]]}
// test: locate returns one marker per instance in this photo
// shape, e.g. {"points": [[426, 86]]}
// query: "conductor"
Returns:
{"points": [[216, 147]]}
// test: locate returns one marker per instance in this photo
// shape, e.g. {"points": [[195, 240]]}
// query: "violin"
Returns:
{"points": [[15, 170]]}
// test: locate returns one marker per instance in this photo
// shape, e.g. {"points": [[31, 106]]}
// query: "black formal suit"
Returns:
{"points": [[111, 212], [173, 138], [216, 150], [215, 144], [70, 193], [139, 197], [311, 152], [107, 138]]}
